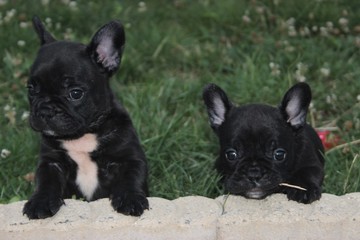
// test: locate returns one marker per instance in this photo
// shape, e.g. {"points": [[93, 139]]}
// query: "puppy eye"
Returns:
{"points": [[279, 154], [32, 89], [231, 154], [76, 94]]}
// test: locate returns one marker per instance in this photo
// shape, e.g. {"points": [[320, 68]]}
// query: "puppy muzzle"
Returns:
{"points": [[255, 182], [51, 120]]}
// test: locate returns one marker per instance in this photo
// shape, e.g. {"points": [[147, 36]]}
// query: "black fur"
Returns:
{"points": [[253, 139], [70, 96]]}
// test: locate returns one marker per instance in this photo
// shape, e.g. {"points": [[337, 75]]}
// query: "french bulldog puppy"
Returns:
{"points": [[89, 147], [263, 147]]}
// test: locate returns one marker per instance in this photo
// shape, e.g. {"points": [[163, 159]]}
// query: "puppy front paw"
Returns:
{"points": [[130, 203], [310, 195], [42, 206]]}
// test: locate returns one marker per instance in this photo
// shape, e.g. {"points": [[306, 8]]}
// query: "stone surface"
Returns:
{"points": [[193, 217], [275, 217]]}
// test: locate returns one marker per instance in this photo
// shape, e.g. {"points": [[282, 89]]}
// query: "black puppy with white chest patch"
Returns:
{"points": [[89, 146], [263, 147]]}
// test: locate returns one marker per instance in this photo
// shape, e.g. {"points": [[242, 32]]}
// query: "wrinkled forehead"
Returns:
{"points": [[62, 60], [60, 56], [254, 123]]}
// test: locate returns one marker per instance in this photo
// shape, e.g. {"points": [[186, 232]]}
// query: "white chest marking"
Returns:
{"points": [[79, 150]]}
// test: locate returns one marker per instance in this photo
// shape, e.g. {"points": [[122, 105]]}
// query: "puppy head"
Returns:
{"points": [[69, 91], [257, 142]]}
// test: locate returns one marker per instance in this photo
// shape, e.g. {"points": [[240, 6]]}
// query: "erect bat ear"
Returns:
{"points": [[217, 104], [44, 36], [295, 104], [107, 46]]}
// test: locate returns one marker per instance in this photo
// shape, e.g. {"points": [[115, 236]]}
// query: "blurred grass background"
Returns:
{"points": [[253, 49]]}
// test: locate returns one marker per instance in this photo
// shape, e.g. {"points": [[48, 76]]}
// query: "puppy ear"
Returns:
{"points": [[295, 104], [107, 45], [44, 36], [217, 104]]}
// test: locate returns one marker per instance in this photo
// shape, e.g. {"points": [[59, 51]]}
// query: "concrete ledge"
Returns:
{"points": [[193, 217]]}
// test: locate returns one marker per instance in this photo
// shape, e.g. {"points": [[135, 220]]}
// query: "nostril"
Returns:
{"points": [[254, 173]]}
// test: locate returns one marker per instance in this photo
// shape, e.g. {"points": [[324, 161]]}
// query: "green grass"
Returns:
{"points": [[173, 49]]}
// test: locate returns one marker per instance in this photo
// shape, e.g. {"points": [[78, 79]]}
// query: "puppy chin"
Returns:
{"points": [[52, 132], [64, 135], [60, 134]]}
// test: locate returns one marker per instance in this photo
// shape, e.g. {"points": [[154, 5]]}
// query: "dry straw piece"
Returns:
{"points": [[292, 186]]}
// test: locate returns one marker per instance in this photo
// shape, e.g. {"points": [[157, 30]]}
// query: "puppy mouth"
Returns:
{"points": [[49, 133], [251, 189], [255, 193]]}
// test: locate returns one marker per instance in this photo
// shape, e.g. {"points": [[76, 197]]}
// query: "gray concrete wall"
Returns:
{"points": [[193, 217]]}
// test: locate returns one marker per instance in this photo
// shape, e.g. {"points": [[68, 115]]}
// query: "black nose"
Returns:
{"points": [[46, 112], [254, 174]]}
